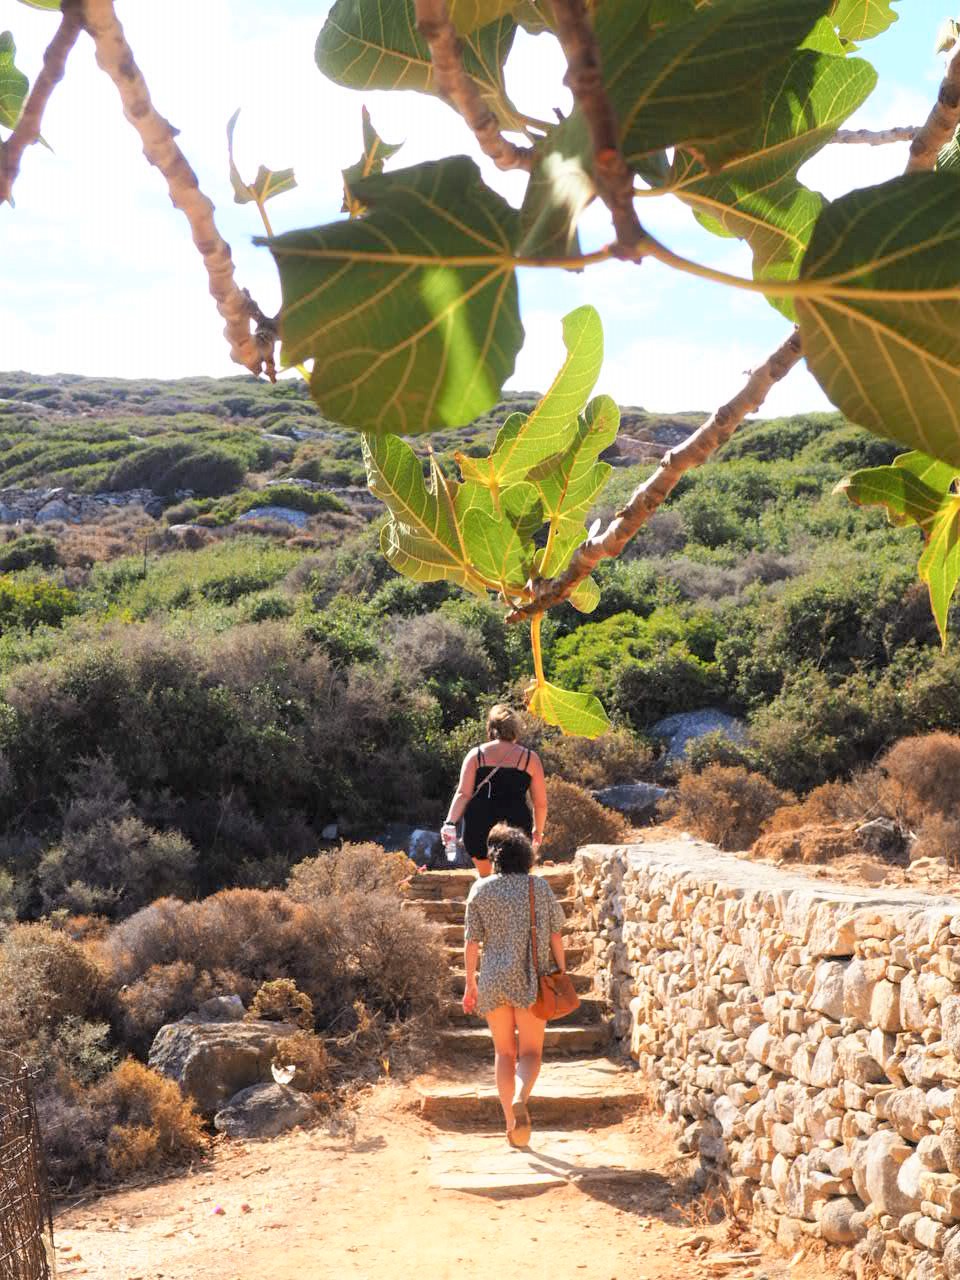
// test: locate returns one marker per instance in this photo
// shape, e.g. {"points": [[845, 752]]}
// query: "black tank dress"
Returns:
{"points": [[499, 795]]}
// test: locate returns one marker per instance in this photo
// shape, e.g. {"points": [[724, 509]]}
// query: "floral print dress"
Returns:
{"points": [[498, 917]]}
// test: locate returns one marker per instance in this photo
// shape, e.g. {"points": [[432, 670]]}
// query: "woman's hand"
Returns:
{"points": [[470, 997]]}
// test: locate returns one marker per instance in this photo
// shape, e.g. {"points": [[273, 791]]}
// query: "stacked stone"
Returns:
{"points": [[805, 1035]]}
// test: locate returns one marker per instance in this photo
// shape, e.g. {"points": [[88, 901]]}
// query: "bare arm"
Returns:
{"points": [[556, 947], [471, 953], [461, 797], [538, 794]]}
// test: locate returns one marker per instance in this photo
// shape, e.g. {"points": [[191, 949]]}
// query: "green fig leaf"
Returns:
{"points": [[580, 714], [376, 153], [411, 312], [525, 441], [880, 320], [13, 83], [268, 182]]}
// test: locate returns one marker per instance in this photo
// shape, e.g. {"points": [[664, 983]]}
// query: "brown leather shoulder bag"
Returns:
{"points": [[555, 994]]}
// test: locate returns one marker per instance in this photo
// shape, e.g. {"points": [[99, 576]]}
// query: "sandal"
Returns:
{"points": [[519, 1135]]}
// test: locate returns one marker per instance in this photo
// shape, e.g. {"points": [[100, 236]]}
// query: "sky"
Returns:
{"points": [[99, 276]]}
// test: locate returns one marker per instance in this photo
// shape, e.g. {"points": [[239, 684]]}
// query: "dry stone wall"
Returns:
{"points": [[805, 1034]]}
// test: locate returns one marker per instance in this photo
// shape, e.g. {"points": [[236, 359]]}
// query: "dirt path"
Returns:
{"points": [[361, 1206]]}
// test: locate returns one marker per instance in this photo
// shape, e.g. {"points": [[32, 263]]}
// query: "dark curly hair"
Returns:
{"points": [[510, 850]]}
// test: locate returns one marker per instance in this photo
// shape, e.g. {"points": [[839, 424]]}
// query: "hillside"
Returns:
{"points": [[242, 687]]}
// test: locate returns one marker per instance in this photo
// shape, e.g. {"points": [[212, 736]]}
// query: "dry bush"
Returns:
{"points": [[361, 868], [307, 1053], [938, 837], [164, 994], [155, 1124], [171, 955], [387, 960], [726, 805], [815, 844], [280, 1001], [45, 977], [132, 1121], [926, 773], [574, 818], [825, 804], [593, 763], [123, 532]]}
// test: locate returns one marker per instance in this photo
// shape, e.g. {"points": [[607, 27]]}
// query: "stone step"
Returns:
{"points": [[452, 934], [485, 1164], [433, 885], [582, 982], [573, 1092], [591, 1011], [575, 955], [448, 911], [559, 1037]]}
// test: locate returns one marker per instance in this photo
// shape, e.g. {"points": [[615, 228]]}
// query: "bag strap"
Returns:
{"points": [[485, 783], [533, 927]]}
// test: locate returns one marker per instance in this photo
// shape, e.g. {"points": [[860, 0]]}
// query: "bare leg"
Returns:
{"points": [[484, 867], [531, 1032], [503, 1029]]}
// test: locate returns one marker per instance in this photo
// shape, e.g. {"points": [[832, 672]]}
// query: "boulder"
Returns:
{"points": [[636, 800], [286, 515], [220, 1009], [884, 839], [685, 727], [263, 1111], [211, 1061], [56, 509]]}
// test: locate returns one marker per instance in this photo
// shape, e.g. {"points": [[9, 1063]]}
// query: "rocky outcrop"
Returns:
{"points": [[42, 506], [686, 726], [263, 1111], [805, 1036], [636, 800], [213, 1061]]}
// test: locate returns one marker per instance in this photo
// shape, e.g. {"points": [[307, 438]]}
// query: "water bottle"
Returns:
{"points": [[448, 836]]}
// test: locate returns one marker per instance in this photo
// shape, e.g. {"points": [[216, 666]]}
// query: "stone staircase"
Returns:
{"points": [[581, 1088]]}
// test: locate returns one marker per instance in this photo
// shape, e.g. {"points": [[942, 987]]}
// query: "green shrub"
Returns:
{"points": [[114, 867], [26, 551], [643, 668], [34, 604]]}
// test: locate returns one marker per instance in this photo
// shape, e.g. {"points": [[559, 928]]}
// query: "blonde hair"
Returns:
{"points": [[503, 723]]}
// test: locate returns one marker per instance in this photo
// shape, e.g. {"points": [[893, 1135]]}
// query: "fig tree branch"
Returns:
{"points": [[941, 123], [27, 130], [877, 137], [649, 495], [115, 57], [453, 83], [584, 78]]}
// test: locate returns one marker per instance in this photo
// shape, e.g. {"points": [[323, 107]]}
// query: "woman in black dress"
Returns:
{"points": [[500, 781]]}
